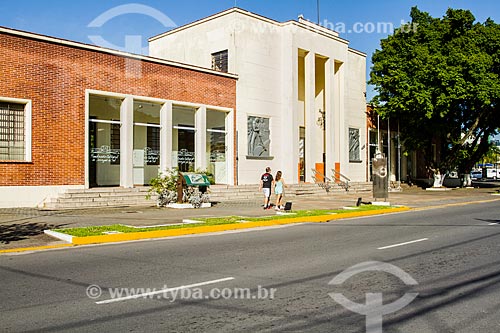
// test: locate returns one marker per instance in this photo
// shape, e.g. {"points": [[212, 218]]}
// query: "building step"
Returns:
{"points": [[118, 197]]}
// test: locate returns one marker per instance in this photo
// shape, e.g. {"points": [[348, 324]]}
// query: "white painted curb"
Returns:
{"points": [[58, 235]]}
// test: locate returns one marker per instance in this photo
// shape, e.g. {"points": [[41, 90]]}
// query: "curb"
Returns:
{"points": [[225, 227], [35, 248]]}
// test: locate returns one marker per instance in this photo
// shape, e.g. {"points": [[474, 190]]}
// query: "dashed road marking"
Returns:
{"points": [[402, 244]]}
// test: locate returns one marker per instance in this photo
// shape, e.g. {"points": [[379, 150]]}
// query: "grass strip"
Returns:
{"points": [[212, 221]]}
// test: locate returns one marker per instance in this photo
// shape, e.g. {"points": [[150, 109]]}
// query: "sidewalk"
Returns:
{"points": [[23, 227]]}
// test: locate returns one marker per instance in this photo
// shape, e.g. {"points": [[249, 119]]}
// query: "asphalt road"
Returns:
{"points": [[452, 254]]}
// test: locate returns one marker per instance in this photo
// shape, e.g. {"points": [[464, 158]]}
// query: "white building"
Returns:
{"points": [[300, 94]]}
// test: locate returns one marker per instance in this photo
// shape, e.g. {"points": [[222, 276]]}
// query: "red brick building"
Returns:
{"points": [[78, 116]]}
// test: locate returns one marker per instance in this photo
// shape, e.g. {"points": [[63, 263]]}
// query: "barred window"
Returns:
{"points": [[220, 61], [12, 131], [354, 145]]}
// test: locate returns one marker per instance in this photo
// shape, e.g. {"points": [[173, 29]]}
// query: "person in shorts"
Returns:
{"points": [[266, 184], [279, 189]]}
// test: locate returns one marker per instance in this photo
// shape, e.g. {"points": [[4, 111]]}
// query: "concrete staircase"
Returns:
{"points": [[251, 192], [121, 197], [224, 193], [99, 197]]}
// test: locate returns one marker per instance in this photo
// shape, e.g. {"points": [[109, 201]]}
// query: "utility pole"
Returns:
{"points": [[317, 2]]}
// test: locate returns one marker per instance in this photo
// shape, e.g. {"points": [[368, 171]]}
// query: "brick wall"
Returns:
{"points": [[54, 77]]}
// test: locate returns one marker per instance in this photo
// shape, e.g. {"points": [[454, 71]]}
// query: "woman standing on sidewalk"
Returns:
{"points": [[279, 185]]}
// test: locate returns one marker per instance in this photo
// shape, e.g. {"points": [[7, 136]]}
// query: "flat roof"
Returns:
{"points": [[95, 48]]}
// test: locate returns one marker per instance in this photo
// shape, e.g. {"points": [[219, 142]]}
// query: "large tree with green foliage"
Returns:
{"points": [[440, 78]]}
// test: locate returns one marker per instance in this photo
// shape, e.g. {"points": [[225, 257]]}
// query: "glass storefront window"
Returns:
{"points": [[146, 153], [124, 153], [217, 145], [183, 136], [104, 141]]}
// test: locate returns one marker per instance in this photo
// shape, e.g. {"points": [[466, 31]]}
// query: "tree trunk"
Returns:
{"points": [[438, 179], [467, 180]]}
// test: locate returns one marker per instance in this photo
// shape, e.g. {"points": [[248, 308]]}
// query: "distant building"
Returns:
{"points": [[300, 92], [401, 166]]}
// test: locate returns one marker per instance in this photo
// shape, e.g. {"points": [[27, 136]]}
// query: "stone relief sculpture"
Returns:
{"points": [[258, 137]]}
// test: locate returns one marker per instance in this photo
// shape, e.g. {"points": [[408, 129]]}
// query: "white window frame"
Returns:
{"points": [[27, 126]]}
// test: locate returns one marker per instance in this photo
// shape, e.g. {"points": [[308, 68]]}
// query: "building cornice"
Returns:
{"points": [[213, 17], [301, 23], [357, 52], [316, 29]]}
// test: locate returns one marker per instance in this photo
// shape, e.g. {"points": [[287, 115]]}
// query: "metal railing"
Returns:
{"points": [[338, 179], [325, 184]]}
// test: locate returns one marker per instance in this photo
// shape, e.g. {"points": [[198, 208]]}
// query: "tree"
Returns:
{"points": [[440, 79], [491, 155]]}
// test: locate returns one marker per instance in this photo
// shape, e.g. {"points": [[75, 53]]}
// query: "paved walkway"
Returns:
{"points": [[23, 227]]}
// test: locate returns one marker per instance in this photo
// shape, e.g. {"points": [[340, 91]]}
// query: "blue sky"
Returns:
{"points": [[71, 19]]}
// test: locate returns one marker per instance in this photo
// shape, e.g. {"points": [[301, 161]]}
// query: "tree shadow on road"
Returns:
{"points": [[16, 232]]}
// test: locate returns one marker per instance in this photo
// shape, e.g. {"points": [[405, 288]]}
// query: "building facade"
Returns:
{"points": [[300, 92], [403, 166], [79, 116]]}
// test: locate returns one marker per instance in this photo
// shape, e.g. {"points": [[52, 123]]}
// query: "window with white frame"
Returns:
{"points": [[354, 145], [15, 134]]}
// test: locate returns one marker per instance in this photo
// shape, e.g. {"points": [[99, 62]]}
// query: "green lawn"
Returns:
{"points": [[119, 228]]}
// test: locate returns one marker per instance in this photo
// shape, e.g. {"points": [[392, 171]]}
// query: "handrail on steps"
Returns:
{"points": [[325, 184], [338, 178]]}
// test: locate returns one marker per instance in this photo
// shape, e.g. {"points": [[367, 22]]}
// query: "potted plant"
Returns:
{"points": [[165, 187]]}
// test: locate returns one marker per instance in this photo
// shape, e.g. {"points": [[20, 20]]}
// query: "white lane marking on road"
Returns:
{"points": [[495, 223], [401, 244], [157, 292]]}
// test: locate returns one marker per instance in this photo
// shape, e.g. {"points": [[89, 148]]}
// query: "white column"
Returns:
{"points": [[344, 140], [341, 148], [200, 138], [230, 147], [127, 143], [329, 117], [87, 143], [166, 137], [288, 153], [311, 115]]}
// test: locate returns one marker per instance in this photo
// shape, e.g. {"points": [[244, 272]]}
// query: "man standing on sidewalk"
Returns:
{"points": [[266, 183]]}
